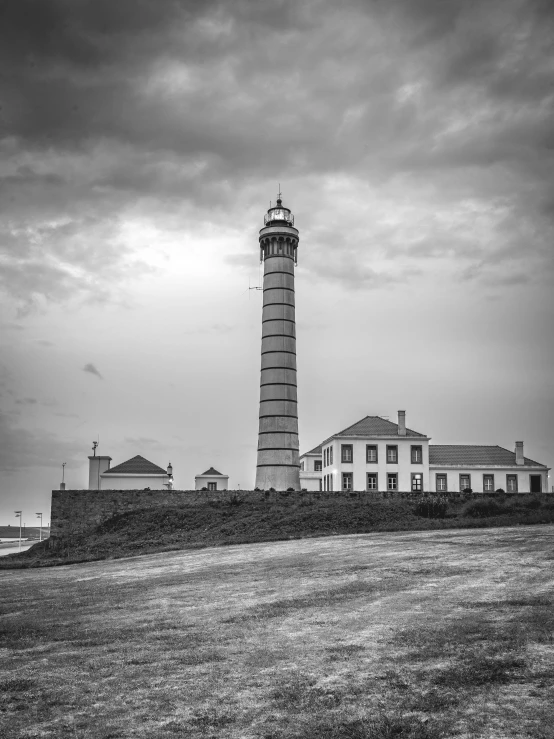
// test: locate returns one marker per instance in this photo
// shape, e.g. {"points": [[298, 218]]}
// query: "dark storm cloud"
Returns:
{"points": [[188, 105], [91, 369]]}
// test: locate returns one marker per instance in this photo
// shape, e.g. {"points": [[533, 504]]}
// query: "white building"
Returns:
{"points": [[211, 480], [484, 469], [377, 454], [310, 470], [137, 473]]}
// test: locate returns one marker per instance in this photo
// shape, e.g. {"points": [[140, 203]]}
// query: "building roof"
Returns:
{"points": [[315, 450], [483, 456], [211, 473], [136, 466], [375, 426]]}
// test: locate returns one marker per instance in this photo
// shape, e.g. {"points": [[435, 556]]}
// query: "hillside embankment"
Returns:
{"points": [[238, 520]]}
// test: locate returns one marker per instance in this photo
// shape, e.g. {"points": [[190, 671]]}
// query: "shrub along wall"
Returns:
{"points": [[75, 511]]}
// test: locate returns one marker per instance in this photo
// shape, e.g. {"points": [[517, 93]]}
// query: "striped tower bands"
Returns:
{"points": [[278, 456]]}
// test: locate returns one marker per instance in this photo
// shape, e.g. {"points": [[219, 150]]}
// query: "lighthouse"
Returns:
{"points": [[278, 464]]}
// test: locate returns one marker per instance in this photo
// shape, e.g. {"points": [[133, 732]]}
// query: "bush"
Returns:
{"points": [[483, 508], [500, 490], [290, 490], [431, 508]]}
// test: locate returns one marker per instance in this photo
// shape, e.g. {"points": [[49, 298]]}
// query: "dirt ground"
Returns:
{"points": [[410, 634]]}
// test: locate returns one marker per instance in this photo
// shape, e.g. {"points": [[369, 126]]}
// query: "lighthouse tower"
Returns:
{"points": [[278, 464]]}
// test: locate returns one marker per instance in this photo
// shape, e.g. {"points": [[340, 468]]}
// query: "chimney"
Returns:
{"points": [[519, 453], [97, 465], [401, 423]]}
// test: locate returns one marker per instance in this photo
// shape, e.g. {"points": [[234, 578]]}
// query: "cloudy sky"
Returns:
{"points": [[141, 143]]}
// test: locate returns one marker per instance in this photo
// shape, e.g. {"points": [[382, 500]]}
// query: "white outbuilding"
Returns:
{"points": [[211, 480], [310, 470], [137, 473]]}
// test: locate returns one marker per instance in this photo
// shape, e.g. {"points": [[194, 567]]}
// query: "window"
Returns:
{"points": [[465, 483], [320, 484], [535, 483], [331, 455], [212, 486], [372, 481], [511, 483], [371, 454], [317, 465], [417, 455], [330, 482], [302, 465], [346, 452], [488, 483], [441, 484], [392, 454], [417, 482], [392, 481], [347, 481]]}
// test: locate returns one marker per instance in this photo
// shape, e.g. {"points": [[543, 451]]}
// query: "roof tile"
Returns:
{"points": [[315, 450], [211, 472], [137, 466], [465, 454], [375, 426]]}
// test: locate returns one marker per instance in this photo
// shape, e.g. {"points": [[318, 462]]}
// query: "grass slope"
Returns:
{"points": [[233, 521], [411, 635]]}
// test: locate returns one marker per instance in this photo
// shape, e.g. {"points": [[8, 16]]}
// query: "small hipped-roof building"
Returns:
{"points": [[211, 480]]}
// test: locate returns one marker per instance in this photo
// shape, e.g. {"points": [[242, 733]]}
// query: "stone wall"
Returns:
{"points": [[74, 511]]}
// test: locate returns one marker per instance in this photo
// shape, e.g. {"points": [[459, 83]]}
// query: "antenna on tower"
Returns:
{"points": [[279, 193], [256, 287]]}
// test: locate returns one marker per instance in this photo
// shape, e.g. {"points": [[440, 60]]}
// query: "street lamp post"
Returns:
{"points": [[39, 515], [19, 514]]}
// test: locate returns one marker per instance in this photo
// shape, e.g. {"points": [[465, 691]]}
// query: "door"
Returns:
{"points": [[535, 483]]}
